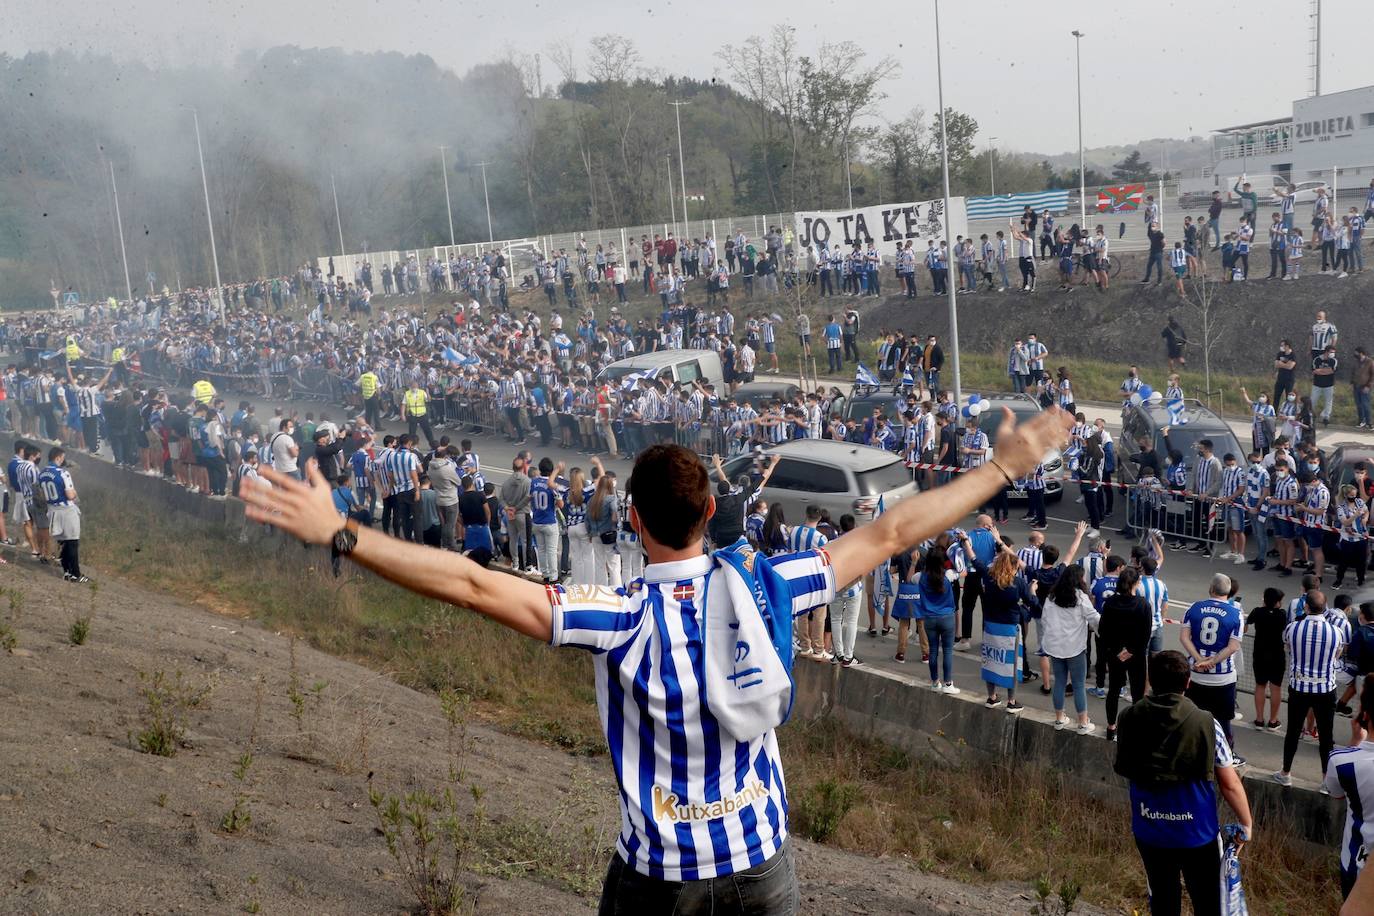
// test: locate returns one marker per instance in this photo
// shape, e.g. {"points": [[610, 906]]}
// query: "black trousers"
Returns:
{"points": [[973, 590], [404, 519], [1323, 708], [372, 411], [1198, 866], [391, 521], [1118, 673], [422, 424], [1220, 701], [1352, 553], [70, 555]]}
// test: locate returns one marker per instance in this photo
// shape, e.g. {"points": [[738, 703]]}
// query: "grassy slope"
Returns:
{"points": [[859, 795]]}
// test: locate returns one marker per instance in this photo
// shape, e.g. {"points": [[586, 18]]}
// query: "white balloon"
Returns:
{"points": [[1135, 397], [1156, 397], [976, 408]]}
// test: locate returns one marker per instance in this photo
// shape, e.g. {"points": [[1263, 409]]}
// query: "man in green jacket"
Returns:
{"points": [[1249, 201]]}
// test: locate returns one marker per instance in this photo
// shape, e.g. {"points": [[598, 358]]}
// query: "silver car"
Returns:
{"points": [[839, 476]]}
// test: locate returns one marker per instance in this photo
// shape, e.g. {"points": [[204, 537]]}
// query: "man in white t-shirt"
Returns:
{"points": [[284, 449]]}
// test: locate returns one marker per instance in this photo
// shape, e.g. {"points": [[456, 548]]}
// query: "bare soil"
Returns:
{"points": [[92, 825]]}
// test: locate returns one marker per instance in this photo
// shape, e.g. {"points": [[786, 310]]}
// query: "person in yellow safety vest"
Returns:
{"points": [[203, 391], [117, 355], [74, 353], [368, 384], [415, 411]]}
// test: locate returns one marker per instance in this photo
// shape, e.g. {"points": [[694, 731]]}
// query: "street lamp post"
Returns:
{"points": [[944, 166], [681, 166], [448, 204], [338, 220], [119, 223], [209, 218], [992, 166], [491, 237], [1082, 180]]}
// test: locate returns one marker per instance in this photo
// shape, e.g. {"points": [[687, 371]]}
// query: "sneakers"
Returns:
{"points": [[1282, 778], [1014, 707], [1061, 724], [900, 658], [1238, 761], [1322, 788], [992, 702], [1087, 728], [822, 656], [1258, 725], [1110, 734], [1274, 726], [961, 645], [951, 690], [1099, 692], [1228, 555]]}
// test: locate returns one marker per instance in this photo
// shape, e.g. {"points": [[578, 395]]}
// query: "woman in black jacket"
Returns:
{"points": [[1125, 634]]}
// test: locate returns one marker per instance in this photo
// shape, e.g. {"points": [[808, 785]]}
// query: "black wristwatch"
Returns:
{"points": [[346, 538]]}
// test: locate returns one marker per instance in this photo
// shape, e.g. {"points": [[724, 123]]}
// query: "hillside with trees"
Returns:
{"points": [[285, 129]]}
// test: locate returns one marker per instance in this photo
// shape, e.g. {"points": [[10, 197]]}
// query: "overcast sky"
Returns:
{"points": [[1175, 69]]}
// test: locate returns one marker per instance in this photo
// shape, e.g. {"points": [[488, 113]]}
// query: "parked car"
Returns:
{"points": [[1341, 461], [862, 399], [1023, 407], [758, 394], [1147, 421], [839, 476], [683, 367]]}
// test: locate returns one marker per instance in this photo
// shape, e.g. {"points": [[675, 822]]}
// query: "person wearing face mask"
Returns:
{"points": [[1284, 501], [1207, 486], [1255, 502], [1262, 415], [1288, 412], [1285, 362], [1315, 500], [1352, 517]]}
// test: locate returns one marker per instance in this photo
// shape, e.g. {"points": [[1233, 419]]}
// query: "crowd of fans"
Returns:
{"points": [[148, 382]]}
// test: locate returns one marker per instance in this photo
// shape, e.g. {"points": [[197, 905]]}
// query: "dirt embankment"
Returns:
{"points": [[92, 825], [1123, 324]]}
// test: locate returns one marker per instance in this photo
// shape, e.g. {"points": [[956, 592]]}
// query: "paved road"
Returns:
{"points": [[1187, 576]]}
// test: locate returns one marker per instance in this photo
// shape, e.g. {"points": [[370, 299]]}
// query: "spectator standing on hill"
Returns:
{"points": [[1174, 342], [1155, 259], [1314, 644], [1175, 757]]}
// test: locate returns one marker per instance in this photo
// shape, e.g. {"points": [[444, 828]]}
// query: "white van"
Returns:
{"points": [[683, 367]]}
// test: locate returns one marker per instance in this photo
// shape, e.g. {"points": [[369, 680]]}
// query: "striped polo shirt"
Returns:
{"points": [[694, 802], [805, 537], [1315, 501], [1350, 775], [1312, 644], [1156, 595], [399, 464]]}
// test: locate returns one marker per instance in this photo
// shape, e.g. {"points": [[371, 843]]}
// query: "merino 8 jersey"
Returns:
{"points": [[1212, 624]]}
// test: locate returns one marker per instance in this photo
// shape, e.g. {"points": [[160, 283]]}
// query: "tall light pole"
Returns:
{"points": [[491, 237], [338, 221], [992, 166], [1082, 180], [119, 222], [681, 166], [209, 218], [448, 204], [672, 204], [848, 182], [944, 166]]}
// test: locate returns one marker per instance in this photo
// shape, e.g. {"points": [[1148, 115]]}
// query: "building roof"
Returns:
{"points": [[1270, 123]]}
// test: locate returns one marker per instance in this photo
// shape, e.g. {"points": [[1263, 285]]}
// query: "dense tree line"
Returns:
{"points": [[598, 147]]}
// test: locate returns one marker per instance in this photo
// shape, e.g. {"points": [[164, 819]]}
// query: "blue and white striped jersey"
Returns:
{"points": [[399, 464], [1313, 644], [1032, 558], [805, 537], [1156, 595], [1213, 624], [1350, 775], [694, 803]]}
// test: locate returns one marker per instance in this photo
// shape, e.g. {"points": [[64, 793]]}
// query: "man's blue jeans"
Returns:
{"points": [[767, 889], [1156, 261], [1362, 406]]}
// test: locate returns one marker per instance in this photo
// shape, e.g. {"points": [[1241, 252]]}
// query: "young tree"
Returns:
{"points": [[1132, 168]]}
